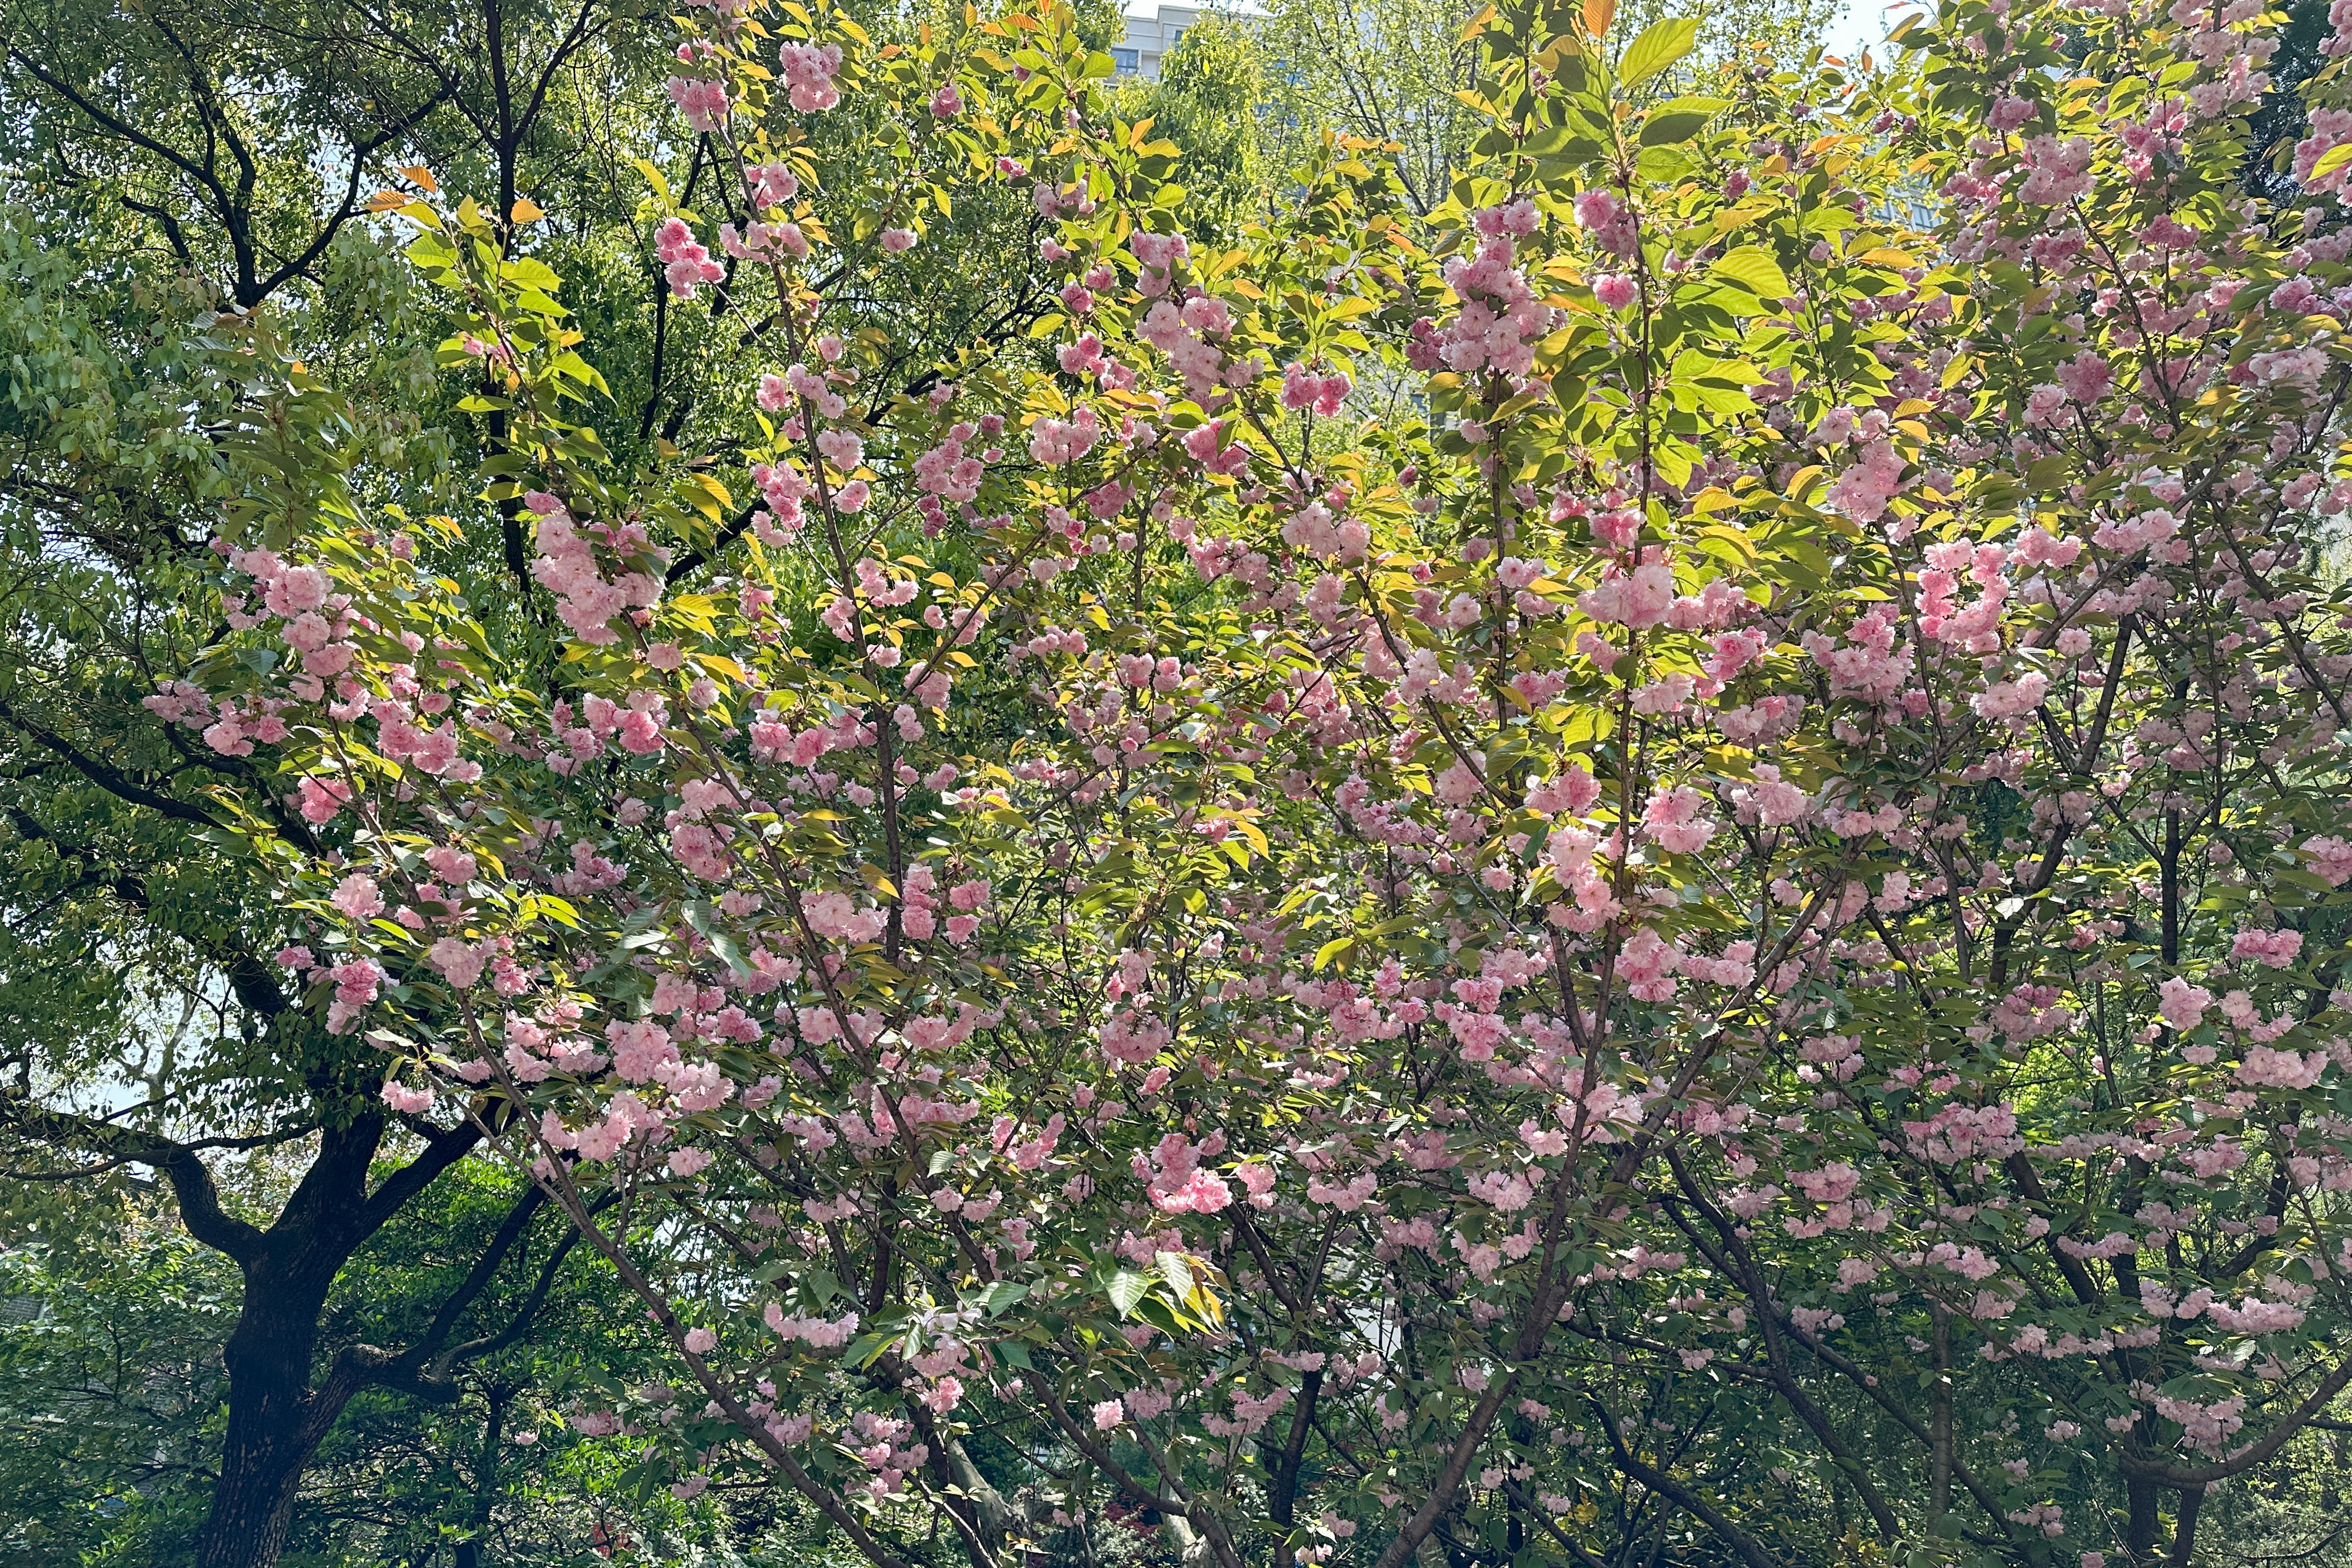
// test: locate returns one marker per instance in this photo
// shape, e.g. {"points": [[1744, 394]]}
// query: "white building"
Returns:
{"points": [[1152, 29]]}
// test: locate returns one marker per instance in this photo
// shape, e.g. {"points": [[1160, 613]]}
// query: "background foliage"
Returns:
{"points": [[186, 200]]}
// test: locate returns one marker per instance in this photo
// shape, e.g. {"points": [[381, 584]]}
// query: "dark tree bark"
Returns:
{"points": [[280, 1405], [468, 1551], [226, 194], [277, 1417]]}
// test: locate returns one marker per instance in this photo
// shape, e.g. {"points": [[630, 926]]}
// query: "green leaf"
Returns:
{"points": [[1812, 562], [1664, 166], [731, 950], [1002, 1294], [1719, 397], [547, 907], [1165, 1318], [1340, 948], [654, 178], [1753, 268], [1675, 460], [1668, 129], [1679, 119], [1660, 45], [1126, 1289]]}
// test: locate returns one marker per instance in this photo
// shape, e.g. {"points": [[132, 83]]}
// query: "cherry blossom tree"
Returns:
{"points": [[1655, 860]]}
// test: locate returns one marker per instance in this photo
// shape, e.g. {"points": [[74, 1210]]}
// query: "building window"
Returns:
{"points": [[1126, 59]]}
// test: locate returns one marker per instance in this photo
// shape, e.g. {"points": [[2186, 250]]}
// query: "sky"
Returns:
{"points": [[1858, 25], [1862, 23]]}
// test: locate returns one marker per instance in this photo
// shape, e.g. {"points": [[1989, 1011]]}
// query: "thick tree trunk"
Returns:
{"points": [[468, 1553], [1940, 1420], [252, 1506], [277, 1418], [2140, 1520], [274, 1416], [2184, 1528]]}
